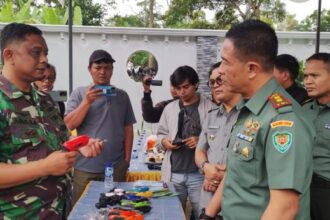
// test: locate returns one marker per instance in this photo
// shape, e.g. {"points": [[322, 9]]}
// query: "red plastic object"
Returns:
{"points": [[75, 143], [119, 214]]}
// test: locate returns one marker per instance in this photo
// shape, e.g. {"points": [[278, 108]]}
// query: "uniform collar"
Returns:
{"points": [[257, 102], [317, 106], [13, 92]]}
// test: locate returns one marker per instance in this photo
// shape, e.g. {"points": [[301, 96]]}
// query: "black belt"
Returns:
{"points": [[320, 182]]}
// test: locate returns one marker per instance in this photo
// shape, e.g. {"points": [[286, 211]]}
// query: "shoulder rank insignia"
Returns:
{"points": [[278, 100]]}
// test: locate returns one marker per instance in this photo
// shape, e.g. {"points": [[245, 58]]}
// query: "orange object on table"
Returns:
{"points": [[120, 214]]}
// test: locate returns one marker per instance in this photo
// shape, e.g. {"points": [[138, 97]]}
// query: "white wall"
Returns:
{"points": [[171, 48]]}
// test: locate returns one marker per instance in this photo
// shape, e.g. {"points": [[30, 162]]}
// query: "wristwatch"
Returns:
{"points": [[203, 216], [201, 166]]}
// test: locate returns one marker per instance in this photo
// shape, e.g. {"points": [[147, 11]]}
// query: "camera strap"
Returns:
{"points": [[180, 120]]}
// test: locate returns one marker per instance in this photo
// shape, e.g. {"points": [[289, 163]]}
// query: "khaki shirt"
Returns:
{"points": [[270, 148], [320, 114]]}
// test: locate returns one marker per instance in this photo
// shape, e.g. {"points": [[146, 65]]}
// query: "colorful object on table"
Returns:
{"points": [[147, 194], [143, 206], [75, 143], [124, 214], [154, 158], [139, 189], [162, 193], [151, 142]]}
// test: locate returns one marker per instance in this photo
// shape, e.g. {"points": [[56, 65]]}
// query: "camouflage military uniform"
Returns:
{"points": [[30, 129]]}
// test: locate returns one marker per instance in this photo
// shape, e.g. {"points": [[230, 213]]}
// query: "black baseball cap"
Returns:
{"points": [[98, 55]]}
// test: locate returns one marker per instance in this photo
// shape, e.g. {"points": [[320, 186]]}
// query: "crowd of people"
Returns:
{"points": [[258, 149]]}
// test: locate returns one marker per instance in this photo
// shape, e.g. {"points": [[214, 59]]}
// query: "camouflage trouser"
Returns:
{"points": [[82, 178]]}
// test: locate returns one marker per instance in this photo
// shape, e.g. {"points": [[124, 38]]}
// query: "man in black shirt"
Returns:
{"points": [[286, 71]]}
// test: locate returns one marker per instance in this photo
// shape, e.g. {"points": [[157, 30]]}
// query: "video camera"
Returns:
{"points": [[154, 82]]}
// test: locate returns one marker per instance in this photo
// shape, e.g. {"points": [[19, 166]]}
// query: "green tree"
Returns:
{"points": [[93, 13], [288, 24], [181, 12], [26, 12], [125, 21], [186, 14], [310, 22], [85, 12], [19, 12], [148, 15]]}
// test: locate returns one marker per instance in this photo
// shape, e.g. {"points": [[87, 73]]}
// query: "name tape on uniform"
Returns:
{"points": [[281, 123]]}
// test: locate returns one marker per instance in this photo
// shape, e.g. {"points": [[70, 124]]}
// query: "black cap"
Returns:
{"points": [[98, 55]]}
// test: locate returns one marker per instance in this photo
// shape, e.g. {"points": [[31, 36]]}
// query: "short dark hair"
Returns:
{"points": [[182, 74], [254, 39], [287, 62], [16, 32], [213, 67], [324, 57], [51, 67]]}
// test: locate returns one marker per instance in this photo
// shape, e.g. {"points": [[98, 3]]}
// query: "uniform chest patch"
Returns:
{"points": [[282, 141]]}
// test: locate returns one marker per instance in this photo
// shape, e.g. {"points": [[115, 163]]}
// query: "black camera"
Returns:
{"points": [[154, 82]]}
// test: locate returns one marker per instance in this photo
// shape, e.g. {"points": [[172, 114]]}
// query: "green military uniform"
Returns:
{"points": [[270, 148], [31, 128], [320, 187]]}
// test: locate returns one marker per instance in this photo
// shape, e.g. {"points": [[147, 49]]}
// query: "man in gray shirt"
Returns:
{"points": [[211, 151], [107, 116]]}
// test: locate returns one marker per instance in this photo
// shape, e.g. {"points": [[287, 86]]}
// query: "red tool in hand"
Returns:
{"points": [[75, 143]]}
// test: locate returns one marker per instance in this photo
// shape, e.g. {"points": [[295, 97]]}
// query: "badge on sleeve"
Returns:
{"points": [[282, 141]]}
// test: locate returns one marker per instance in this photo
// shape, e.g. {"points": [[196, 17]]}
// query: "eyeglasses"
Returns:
{"points": [[51, 80], [217, 80]]}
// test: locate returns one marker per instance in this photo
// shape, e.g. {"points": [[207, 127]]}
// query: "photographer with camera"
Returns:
{"points": [[152, 113], [104, 111]]}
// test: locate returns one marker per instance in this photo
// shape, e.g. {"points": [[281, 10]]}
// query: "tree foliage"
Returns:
{"points": [[126, 21], [85, 12], [310, 22], [182, 13]]}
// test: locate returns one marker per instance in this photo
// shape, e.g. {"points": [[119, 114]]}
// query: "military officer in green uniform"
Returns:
{"points": [[317, 83], [269, 166]]}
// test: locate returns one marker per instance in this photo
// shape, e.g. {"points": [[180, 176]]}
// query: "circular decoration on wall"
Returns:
{"points": [[141, 63]]}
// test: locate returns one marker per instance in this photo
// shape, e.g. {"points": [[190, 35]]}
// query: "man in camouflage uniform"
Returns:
{"points": [[33, 183]]}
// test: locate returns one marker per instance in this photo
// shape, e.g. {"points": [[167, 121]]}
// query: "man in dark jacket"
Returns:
{"points": [[286, 71]]}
